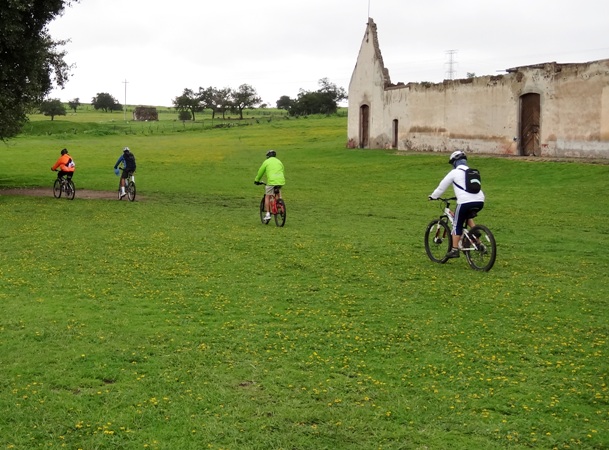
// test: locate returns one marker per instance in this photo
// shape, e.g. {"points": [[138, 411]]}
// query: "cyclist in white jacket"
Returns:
{"points": [[466, 201]]}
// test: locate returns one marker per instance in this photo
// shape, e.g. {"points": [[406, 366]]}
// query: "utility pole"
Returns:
{"points": [[125, 108], [450, 73]]}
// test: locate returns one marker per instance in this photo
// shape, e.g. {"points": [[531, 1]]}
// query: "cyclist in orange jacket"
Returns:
{"points": [[66, 165]]}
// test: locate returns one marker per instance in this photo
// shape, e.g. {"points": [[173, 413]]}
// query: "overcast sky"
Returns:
{"points": [[281, 46]]}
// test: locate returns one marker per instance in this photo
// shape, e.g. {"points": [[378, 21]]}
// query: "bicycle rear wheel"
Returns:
{"points": [[483, 250], [70, 190], [131, 191], [437, 241], [57, 188], [281, 213], [262, 213]]}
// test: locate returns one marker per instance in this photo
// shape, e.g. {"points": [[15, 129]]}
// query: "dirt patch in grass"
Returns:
{"points": [[48, 192]]}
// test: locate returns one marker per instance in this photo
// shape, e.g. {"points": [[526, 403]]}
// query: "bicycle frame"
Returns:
{"points": [[276, 207], [64, 185], [131, 177], [450, 216], [129, 186], [477, 243], [273, 201]]}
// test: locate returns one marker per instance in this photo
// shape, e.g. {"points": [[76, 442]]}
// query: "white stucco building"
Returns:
{"points": [[546, 109]]}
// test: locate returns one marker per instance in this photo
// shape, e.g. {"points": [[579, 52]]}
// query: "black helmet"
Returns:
{"points": [[64, 151], [271, 153], [456, 156]]}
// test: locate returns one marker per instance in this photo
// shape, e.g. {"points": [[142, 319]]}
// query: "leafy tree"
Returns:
{"points": [[218, 100], [106, 102], [222, 100], [326, 86], [244, 97], [284, 102], [206, 95], [30, 61], [184, 115], [52, 108], [74, 104], [323, 101], [189, 101], [337, 94]]}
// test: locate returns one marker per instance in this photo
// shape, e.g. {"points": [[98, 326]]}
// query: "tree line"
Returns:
{"points": [[55, 107], [323, 101], [31, 64], [219, 101]]}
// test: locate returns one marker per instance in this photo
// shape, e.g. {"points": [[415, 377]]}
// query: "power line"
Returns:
{"points": [[125, 109]]}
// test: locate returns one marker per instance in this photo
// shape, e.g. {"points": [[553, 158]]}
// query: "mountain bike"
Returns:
{"points": [[64, 185], [129, 187], [276, 206], [478, 243]]}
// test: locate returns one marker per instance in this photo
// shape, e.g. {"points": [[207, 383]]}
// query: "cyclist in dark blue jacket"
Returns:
{"points": [[127, 159]]}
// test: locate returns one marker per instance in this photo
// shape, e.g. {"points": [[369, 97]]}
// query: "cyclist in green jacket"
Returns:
{"points": [[272, 168]]}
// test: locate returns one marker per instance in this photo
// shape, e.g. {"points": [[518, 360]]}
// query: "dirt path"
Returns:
{"points": [[48, 192]]}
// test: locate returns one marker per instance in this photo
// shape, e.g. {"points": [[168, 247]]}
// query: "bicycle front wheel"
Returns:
{"points": [[131, 191], [70, 190], [281, 213], [437, 241], [483, 250], [57, 188], [262, 213]]}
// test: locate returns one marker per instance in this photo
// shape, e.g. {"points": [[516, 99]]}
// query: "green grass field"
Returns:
{"points": [[180, 322]]}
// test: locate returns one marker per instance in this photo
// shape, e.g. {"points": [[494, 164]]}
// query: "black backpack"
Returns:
{"points": [[129, 161], [473, 181]]}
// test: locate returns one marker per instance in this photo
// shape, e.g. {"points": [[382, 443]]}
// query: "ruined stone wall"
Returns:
{"points": [[145, 113], [456, 114], [575, 109], [482, 114]]}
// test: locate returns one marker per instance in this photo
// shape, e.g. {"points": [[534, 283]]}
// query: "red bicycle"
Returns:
{"points": [[276, 207]]}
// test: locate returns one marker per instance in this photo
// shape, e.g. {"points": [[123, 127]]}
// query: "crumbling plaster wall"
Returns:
{"points": [[456, 114], [482, 114], [575, 110]]}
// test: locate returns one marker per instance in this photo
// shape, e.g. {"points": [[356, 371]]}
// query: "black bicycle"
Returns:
{"points": [[478, 243], [129, 187], [65, 186]]}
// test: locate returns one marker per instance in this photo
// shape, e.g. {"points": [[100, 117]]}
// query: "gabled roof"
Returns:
{"points": [[371, 33]]}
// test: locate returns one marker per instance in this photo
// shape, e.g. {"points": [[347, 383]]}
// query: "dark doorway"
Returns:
{"points": [[395, 133], [364, 126], [530, 118]]}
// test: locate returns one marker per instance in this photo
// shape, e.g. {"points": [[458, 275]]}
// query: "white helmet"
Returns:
{"points": [[456, 156]]}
